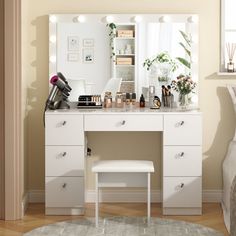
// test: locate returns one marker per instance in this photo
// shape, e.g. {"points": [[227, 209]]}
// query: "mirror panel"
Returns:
{"points": [[81, 48]]}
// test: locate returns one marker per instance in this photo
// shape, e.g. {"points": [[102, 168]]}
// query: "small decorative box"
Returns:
{"points": [[124, 60], [125, 33]]}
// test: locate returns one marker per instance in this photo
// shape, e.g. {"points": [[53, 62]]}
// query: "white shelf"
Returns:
{"points": [[125, 38], [226, 73], [125, 66], [127, 81], [125, 54]]}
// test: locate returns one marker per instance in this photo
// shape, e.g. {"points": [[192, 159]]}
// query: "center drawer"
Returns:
{"points": [[123, 122]]}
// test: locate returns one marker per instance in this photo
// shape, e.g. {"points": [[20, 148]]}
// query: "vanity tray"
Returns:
{"points": [[89, 102]]}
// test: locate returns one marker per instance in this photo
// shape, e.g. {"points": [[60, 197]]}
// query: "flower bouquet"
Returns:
{"points": [[184, 85]]}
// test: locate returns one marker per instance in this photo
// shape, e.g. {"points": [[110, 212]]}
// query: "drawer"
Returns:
{"points": [[64, 160], [182, 161], [182, 192], [182, 130], [64, 130], [123, 122], [64, 191]]}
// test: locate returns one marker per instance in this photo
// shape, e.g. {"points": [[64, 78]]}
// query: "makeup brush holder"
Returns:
{"points": [[168, 100]]}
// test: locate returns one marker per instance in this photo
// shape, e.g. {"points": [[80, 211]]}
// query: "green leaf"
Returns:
{"points": [[185, 49], [186, 38], [184, 62]]}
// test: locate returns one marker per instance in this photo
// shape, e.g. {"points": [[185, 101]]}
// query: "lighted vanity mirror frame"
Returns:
{"points": [[135, 19]]}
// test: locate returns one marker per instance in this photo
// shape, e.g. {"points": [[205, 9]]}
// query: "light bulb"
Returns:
{"points": [[164, 19], [81, 18], [137, 19], [109, 19], [53, 59], [193, 19], [53, 39], [53, 19]]}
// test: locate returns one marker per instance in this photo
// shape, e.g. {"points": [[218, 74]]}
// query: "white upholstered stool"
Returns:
{"points": [[123, 173]]}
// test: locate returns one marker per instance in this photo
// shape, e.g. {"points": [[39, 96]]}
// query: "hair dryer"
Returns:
{"points": [[59, 93]]}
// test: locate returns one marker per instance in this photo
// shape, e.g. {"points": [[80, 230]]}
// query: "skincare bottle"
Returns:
{"points": [[127, 100], [133, 99], [142, 101], [151, 93], [108, 100], [119, 100]]}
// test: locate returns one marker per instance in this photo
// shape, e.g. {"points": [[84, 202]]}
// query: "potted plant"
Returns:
{"points": [[165, 65]]}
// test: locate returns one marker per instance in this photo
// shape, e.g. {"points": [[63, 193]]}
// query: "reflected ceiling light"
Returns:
{"points": [[53, 59], [53, 39], [137, 19], [193, 19], [109, 19], [164, 19], [53, 19]]}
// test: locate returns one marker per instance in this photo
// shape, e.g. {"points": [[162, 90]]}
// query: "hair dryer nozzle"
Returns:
{"points": [[54, 79]]}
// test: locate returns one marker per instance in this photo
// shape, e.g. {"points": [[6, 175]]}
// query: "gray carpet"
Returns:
{"points": [[124, 226]]}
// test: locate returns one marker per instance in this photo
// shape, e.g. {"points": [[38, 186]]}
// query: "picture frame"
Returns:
{"points": [[73, 57], [73, 43], [88, 42], [88, 55]]}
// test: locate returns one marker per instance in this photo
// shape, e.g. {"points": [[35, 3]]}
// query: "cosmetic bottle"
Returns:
{"points": [[142, 101], [151, 94], [119, 100], [108, 100], [127, 100], [133, 99]]}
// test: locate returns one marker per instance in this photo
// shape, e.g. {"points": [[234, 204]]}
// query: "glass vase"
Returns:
{"points": [[183, 101]]}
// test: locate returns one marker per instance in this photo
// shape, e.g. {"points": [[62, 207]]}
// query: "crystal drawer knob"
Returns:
{"points": [[181, 123], [64, 123], [181, 185], [64, 154], [64, 185], [123, 122]]}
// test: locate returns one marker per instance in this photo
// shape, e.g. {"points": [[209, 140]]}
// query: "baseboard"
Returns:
{"points": [[212, 195], [38, 196]]}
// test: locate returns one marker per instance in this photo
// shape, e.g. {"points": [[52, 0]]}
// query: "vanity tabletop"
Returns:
{"points": [[131, 109]]}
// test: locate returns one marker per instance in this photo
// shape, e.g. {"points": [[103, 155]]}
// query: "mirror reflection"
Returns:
{"points": [[148, 50]]}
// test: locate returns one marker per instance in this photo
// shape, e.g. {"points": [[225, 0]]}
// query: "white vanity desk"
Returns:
{"points": [[65, 152]]}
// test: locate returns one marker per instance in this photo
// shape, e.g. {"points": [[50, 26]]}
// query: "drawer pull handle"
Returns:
{"points": [[181, 154], [64, 154], [181, 185], [64, 123], [64, 185], [123, 122], [181, 122]]}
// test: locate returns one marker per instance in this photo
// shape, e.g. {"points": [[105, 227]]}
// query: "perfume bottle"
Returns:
{"points": [[230, 66]]}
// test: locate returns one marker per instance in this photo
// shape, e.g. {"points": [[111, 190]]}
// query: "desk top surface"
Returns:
{"points": [[125, 110]]}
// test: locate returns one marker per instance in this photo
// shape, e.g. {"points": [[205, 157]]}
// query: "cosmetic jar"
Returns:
{"points": [[108, 100], [119, 100]]}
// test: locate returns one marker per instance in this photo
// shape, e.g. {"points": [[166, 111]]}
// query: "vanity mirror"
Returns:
{"points": [[141, 49]]}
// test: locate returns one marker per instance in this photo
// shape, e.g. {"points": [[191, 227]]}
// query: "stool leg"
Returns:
{"points": [[97, 200], [148, 197]]}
